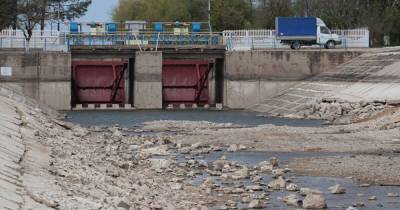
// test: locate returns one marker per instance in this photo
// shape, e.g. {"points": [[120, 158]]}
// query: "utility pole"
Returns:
{"points": [[209, 16], [58, 15]]}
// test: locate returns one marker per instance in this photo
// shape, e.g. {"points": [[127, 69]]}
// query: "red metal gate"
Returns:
{"points": [[98, 82], [186, 81]]}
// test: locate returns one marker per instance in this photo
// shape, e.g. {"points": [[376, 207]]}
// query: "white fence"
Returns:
{"points": [[239, 40], [44, 40]]}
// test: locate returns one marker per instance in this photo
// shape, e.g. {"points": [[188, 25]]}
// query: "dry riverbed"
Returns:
{"points": [[203, 165]]}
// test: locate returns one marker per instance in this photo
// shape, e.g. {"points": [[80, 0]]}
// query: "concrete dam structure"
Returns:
{"points": [[126, 78]]}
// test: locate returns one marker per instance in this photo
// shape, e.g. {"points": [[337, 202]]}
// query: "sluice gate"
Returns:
{"points": [[98, 82], [186, 82]]}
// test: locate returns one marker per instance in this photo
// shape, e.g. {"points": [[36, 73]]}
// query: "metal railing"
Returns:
{"points": [[59, 41], [42, 40], [239, 40], [147, 38]]}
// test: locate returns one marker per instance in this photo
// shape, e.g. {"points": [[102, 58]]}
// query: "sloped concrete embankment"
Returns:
{"points": [[11, 152], [368, 83], [23, 161], [252, 76]]}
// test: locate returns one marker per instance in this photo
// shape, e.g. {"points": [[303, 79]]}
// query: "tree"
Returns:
{"points": [[152, 10], [231, 14], [8, 13], [62, 10], [380, 16], [28, 17], [265, 16], [226, 14], [198, 10]]}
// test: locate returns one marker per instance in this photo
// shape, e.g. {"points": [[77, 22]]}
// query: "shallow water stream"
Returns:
{"points": [[131, 119], [355, 193]]}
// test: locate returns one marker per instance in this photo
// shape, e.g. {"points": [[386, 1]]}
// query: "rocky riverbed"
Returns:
{"points": [[205, 165]]}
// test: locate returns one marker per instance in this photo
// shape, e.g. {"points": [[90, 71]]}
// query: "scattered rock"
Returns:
{"points": [[242, 147], [246, 199], [393, 195], [277, 184], [314, 201], [241, 173], [274, 162], [176, 186], [117, 133], [233, 148], [218, 165], [293, 200], [256, 204], [158, 150], [160, 163], [337, 189], [265, 166], [278, 172], [359, 204], [254, 188], [307, 191], [292, 187], [124, 205]]}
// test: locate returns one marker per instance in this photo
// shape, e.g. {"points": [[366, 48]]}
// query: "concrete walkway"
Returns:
{"points": [[371, 76]]}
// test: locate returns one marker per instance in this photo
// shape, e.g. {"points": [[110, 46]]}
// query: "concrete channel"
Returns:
{"points": [[112, 146]]}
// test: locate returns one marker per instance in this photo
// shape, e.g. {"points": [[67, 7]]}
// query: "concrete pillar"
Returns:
{"points": [[148, 80]]}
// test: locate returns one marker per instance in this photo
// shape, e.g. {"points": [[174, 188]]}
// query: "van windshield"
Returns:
{"points": [[325, 30]]}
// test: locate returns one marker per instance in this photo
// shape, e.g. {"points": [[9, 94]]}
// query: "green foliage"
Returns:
{"points": [[7, 13], [152, 10], [226, 14], [28, 16], [265, 16], [231, 14], [67, 9]]}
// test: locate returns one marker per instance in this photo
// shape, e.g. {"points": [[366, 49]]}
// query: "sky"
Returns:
{"points": [[99, 11]]}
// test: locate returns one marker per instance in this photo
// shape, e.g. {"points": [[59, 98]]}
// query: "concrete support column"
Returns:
{"points": [[148, 80]]}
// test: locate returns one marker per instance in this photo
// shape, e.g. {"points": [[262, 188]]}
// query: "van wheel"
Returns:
{"points": [[295, 45], [330, 45]]}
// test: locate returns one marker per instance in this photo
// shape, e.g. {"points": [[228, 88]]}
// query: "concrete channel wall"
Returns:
{"points": [[148, 80], [253, 76], [45, 77]]}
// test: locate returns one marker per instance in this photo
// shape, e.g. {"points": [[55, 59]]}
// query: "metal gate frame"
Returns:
{"points": [[114, 88]]}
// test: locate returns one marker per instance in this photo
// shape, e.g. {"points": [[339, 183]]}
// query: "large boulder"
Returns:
{"points": [[314, 201], [292, 200], [241, 173], [265, 166], [158, 164], [158, 150], [233, 148], [292, 187], [337, 189], [277, 184], [256, 204]]}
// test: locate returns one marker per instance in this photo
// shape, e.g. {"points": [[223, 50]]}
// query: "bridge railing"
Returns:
{"points": [[61, 41], [42, 40], [238, 40], [147, 38]]}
